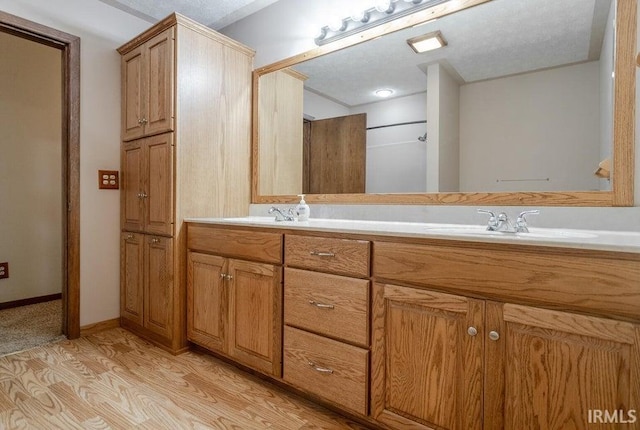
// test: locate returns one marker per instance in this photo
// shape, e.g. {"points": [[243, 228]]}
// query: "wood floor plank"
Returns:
{"points": [[115, 380]]}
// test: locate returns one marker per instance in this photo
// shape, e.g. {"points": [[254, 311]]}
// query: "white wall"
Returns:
{"points": [[276, 36], [318, 107], [31, 233], [559, 140], [396, 159], [102, 29]]}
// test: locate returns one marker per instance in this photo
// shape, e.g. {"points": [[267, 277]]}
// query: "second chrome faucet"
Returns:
{"points": [[502, 223]]}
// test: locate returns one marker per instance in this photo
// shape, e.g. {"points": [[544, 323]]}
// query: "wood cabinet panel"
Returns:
{"points": [[556, 366], [133, 88], [258, 246], [331, 305], [207, 301], [132, 276], [148, 87], [328, 368], [158, 294], [159, 184], [427, 369], [562, 280], [160, 77], [132, 185], [255, 316], [341, 256]]}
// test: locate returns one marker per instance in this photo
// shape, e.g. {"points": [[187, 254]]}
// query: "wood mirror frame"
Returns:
{"points": [[623, 126]]}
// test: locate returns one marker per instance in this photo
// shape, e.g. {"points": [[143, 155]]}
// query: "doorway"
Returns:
{"points": [[69, 47]]}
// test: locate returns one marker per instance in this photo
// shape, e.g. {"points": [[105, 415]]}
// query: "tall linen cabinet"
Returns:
{"points": [[186, 130]]}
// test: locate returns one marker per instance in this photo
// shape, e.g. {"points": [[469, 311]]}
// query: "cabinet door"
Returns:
{"points": [[132, 277], [159, 77], [133, 93], [255, 315], [427, 364], [158, 291], [132, 186], [207, 301], [159, 184], [552, 370]]}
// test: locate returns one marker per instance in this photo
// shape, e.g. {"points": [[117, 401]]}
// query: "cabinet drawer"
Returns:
{"points": [[258, 246], [341, 256], [557, 279], [331, 305], [330, 369]]}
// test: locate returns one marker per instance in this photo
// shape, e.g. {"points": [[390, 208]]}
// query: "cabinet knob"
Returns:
{"points": [[143, 121], [494, 335], [226, 276], [155, 240], [472, 331]]}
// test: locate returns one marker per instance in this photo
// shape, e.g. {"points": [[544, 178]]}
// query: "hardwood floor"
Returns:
{"points": [[113, 379]]}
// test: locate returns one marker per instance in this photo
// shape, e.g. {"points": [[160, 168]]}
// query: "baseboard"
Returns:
{"points": [[99, 326], [30, 301]]}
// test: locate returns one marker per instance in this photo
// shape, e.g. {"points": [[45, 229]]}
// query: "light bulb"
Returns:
{"points": [[337, 24], [384, 92], [359, 15], [384, 6]]}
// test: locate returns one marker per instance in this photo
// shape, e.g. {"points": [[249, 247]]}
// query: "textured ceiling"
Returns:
{"points": [[213, 13], [499, 38]]}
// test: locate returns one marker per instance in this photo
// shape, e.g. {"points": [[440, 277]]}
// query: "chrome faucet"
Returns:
{"points": [[521, 222], [502, 223], [280, 216]]}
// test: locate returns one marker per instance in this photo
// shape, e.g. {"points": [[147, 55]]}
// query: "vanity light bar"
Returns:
{"points": [[371, 18]]}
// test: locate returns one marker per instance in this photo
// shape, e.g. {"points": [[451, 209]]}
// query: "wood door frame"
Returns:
{"points": [[69, 46]]}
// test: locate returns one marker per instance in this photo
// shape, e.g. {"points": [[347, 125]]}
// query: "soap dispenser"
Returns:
{"points": [[303, 209]]}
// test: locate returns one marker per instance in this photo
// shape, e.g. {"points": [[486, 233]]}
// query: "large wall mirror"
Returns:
{"points": [[522, 106]]}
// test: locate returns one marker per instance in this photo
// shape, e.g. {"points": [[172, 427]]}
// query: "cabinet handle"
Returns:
{"points": [[320, 369], [143, 121], [472, 331], [144, 195], [494, 335], [226, 276], [322, 254], [139, 195], [229, 277], [155, 240], [320, 305], [129, 237]]}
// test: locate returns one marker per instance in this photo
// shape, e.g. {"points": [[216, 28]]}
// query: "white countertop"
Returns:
{"points": [[565, 238]]}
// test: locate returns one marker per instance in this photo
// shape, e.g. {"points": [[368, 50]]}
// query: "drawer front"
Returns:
{"points": [[330, 369], [556, 279], [341, 256], [330, 305], [257, 246]]}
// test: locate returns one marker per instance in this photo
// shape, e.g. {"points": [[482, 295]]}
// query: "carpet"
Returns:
{"points": [[29, 326]]}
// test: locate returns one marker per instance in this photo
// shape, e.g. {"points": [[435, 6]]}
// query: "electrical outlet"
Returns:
{"points": [[4, 270], [108, 180]]}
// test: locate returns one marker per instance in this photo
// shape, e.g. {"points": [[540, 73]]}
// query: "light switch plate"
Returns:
{"points": [[108, 180]]}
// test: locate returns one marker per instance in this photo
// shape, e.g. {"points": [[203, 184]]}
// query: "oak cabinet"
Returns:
{"points": [[519, 365], [549, 369], [184, 153], [234, 295], [427, 359], [147, 282], [326, 314], [147, 87], [234, 307], [452, 362], [147, 185]]}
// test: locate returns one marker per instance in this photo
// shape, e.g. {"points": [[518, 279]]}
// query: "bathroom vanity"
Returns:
{"points": [[408, 325]]}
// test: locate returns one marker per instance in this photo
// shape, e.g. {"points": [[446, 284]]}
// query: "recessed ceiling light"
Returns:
{"points": [[427, 42], [384, 92]]}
